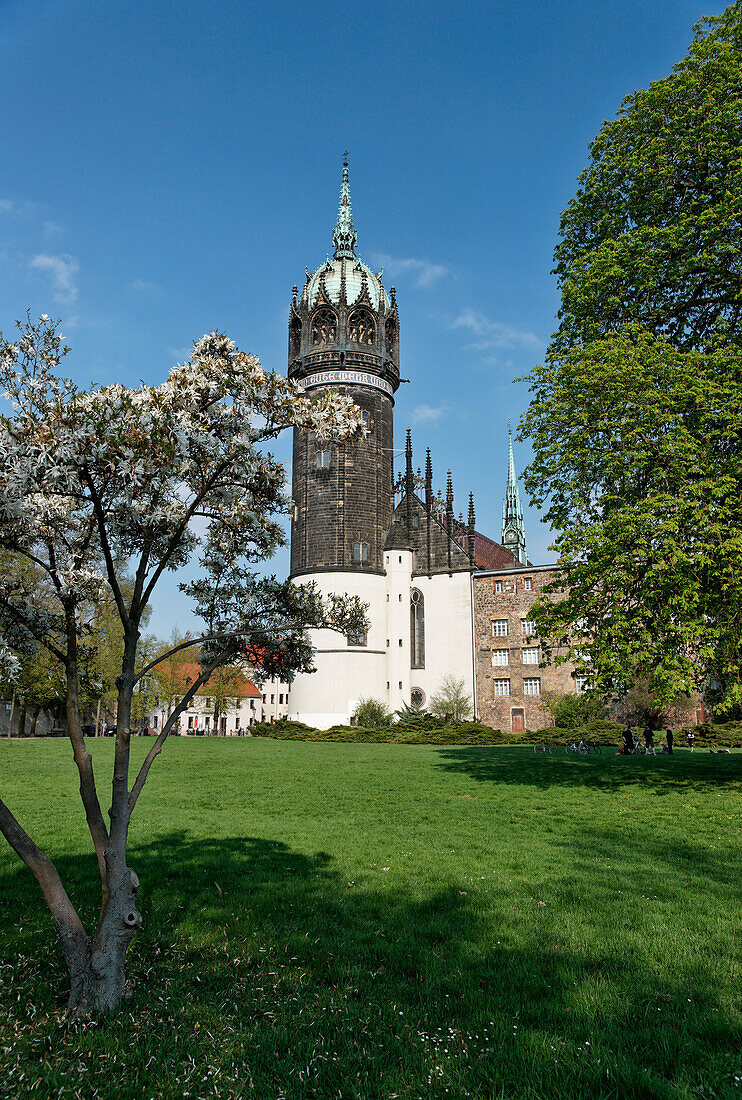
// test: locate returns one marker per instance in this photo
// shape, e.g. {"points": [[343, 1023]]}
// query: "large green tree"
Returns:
{"points": [[636, 414]]}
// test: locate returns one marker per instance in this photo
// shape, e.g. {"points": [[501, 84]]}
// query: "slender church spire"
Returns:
{"points": [[513, 527], [344, 236], [408, 481]]}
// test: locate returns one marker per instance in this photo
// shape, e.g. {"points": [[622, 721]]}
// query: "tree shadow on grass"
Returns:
{"points": [[605, 771], [263, 972]]}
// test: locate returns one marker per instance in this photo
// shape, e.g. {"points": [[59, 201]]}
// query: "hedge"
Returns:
{"points": [[603, 732]]}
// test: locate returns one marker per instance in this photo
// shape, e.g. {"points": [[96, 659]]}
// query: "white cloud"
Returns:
{"points": [[52, 229], [62, 270], [6, 206], [143, 286], [423, 272], [493, 334], [427, 412]]}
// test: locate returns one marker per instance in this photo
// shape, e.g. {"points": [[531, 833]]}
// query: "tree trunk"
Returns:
{"points": [[22, 718], [99, 983], [34, 720]]}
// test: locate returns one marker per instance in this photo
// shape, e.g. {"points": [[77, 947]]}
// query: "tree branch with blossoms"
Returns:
{"points": [[91, 479]]}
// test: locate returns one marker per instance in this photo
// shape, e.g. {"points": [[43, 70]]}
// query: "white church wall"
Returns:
{"points": [[448, 632], [398, 564], [344, 674]]}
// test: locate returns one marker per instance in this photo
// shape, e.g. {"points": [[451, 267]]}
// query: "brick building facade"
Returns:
{"points": [[511, 682]]}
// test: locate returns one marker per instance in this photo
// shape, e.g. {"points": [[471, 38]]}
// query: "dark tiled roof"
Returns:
{"points": [[487, 553]]}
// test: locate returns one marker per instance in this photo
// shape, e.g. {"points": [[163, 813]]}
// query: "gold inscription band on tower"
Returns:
{"points": [[344, 377]]}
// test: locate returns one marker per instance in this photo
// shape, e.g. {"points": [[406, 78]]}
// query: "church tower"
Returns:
{"points": [[344, 334], [513, 527]]}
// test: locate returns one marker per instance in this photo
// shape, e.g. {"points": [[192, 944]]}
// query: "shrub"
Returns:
{"points": [[570, 711], [372, 714], [410, 718], [452, 700], [727, 735]]}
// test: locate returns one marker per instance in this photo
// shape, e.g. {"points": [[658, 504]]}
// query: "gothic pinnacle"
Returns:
{"points": [[344, 236], [513, 527]]}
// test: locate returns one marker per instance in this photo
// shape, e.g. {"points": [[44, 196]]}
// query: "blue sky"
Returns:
{"points": [[171, 167]]}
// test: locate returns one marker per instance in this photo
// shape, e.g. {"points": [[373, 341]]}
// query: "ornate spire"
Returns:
{"points": [[344, 236], [449, 517], [408, 481], [470, 534], [513, 527]]}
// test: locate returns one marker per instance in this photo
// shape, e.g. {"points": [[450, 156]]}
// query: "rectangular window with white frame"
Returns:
{"points": [[582, 684], [531, 655], [501, 687], [499, 628], [528, 584], [532, 685], [498, 586], [527, 628], [500, 657]]}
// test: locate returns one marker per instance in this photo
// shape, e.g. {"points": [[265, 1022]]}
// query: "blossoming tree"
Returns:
{"points": [[99, 484]]}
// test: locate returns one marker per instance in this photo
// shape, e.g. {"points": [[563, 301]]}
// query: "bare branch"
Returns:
{"points": [[105, 546], [176, 649], [180, 531], [72, 935]]}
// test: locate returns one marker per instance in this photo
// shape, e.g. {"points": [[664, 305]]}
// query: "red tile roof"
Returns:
{"points": [[237, 683]]}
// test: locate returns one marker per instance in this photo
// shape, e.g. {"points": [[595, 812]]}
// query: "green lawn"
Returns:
{"points": [[327, 920]]}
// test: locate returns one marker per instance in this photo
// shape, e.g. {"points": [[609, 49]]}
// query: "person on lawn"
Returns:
{"points": [[628, 742], [669, 738], [691, 739], [649, 740]]}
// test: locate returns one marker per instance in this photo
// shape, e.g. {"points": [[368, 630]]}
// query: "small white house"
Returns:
{"points": [[228, 705]]}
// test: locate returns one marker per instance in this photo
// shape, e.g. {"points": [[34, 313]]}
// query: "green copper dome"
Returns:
{"points": [[346, 275]]}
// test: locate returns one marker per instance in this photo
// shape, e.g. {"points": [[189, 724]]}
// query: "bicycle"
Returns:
{"points": [[574, 747], [544, 746]]}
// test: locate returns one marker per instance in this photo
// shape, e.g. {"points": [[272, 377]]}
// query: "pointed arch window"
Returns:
{"points": [[417, 629], [361, 327], [294, 337], [390, 330], [324, 327]]}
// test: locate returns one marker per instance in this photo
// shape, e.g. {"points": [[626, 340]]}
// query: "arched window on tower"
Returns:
{"points": [[361, 327], [294, 337], [324, 327], [390, 332], [417, 629]]}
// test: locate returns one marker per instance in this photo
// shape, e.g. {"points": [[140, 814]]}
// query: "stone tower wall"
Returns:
{"points": [[349, 502]]}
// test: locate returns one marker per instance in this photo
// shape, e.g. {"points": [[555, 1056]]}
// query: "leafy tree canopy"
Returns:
{"points": [[636, 415], [654, 233]]}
